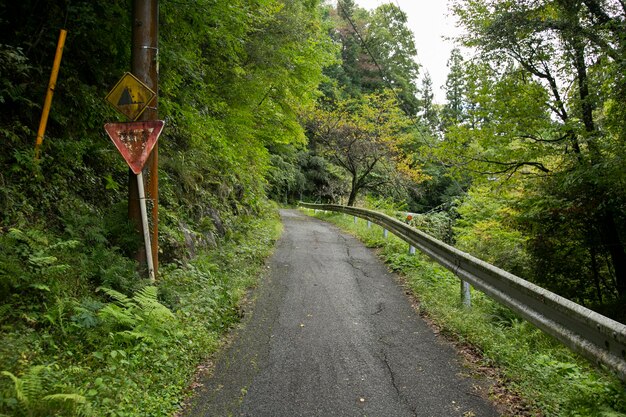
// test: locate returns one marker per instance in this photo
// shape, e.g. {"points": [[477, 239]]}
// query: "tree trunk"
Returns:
{"points": [[353, 191], [596, 272], [610, 234], [614, 245]]}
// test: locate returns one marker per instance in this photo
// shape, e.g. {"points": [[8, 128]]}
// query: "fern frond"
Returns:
{"points": [[140, 317], [138, 335], [148, 292], [117, 316], [31, 394], [17, 234], [4, 310], [33, 383], [147, 300], [74, 398], [75, 369], [66, 244], [117, 296], [18, 386]]}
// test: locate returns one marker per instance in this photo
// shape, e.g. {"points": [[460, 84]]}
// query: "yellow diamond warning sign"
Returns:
{"points": [[130, 96]]}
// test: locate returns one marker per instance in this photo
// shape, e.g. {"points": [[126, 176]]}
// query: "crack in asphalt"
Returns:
{"points": [[380, 307], [383, 341], [395, 386], [345, 242], [353, 263]]}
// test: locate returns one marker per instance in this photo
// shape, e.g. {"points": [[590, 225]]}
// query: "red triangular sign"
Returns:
{"points": [[135, 140]]}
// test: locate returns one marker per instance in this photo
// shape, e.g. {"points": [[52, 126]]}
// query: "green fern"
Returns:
{"points": [[31, 394], [118, 316], [149, 305], [30, 260], [4, 311], [140, 317], [65, 398], [117, 296], [29, 387], [18, 386]]}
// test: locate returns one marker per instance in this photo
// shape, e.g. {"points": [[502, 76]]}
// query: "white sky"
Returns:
{"points": [[430, 21]]}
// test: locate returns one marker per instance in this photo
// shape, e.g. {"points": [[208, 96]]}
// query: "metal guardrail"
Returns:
{"points": [[593, 335]]}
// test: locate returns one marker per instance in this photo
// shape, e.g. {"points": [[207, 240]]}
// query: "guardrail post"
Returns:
{"points": [[385, 233], [369, 224], [355, 219], [411, 250], [466, 296]]}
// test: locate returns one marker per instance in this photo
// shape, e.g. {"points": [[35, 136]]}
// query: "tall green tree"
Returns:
{"points": [[392, 45], [550, 118], [248, 72], [453, 111], [428, 113], [377, 52]]}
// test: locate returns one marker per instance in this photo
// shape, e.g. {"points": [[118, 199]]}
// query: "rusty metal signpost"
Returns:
{"points": [[144, 66], [136, 96], [135, 141]]}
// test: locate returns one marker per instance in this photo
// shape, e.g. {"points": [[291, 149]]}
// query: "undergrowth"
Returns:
{"points": [[82, 335], [552, 380]]}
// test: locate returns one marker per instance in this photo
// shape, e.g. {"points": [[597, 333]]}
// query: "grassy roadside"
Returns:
{"points": [[549, 378], [114, 355]]}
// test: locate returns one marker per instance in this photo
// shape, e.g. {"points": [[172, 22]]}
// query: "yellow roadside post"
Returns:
{"points": [[51, 87]]}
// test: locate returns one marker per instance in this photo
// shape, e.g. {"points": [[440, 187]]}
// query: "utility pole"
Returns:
{"points": [[144, 66]]}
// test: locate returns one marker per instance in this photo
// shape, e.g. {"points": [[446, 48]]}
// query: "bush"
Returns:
{"points": [[68, 350]]}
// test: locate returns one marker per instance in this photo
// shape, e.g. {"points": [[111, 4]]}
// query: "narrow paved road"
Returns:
{"points": [[332, 334]]}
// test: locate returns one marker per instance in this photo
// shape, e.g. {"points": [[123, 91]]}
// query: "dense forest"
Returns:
{"points": [[286, 100]]}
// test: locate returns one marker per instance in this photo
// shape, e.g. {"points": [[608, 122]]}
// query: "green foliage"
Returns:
{"points": [[429, 112], [140, 318], [30, 395], [13, 61], [488, 228], [438, 225], [387, 205], [374, 52], [284, 178], [531, 113], [453, 111], [364, 137], [377, 50], [268, 58], [325, 181], [128, 355], [37, 268], [392, 44]]}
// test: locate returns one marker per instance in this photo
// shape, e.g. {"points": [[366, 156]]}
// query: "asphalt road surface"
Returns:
{"points": [[333, 334]]}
